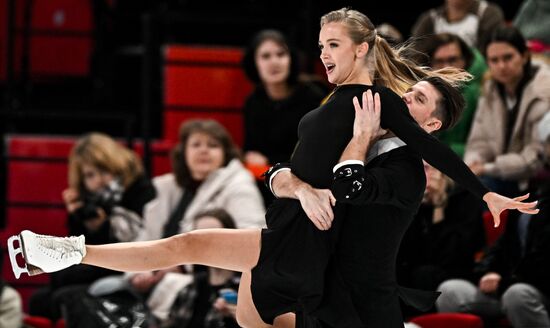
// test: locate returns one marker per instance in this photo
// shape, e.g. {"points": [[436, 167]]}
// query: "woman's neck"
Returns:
{"points": [[511, 88], [362, 77], [277, 91]]}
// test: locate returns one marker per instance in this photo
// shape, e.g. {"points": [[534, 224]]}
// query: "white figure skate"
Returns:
{"points": [[44, 253]]}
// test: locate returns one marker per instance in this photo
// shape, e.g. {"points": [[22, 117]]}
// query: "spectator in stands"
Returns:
{"points": [[502, 147], [11, 309], [390, 33], [273, 110], [472, 20], [210, 299], [446, 49], [544, 137], [444, 237], [105, 200], [514, 272], [208, 173], [533, 20]]}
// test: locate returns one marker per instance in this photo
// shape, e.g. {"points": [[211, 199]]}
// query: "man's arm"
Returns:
{"points": [[286, 185], [316, 203]]}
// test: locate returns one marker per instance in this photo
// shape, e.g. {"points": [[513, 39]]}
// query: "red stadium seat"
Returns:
{"points": [[492, 233], [204, 82], [448, 320], [37, 322]]}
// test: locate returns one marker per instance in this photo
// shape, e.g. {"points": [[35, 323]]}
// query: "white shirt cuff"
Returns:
{"points": [[273, 175], [347, 162]]}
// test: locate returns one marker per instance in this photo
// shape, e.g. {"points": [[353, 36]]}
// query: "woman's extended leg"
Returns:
{"points": [[231, 249]]}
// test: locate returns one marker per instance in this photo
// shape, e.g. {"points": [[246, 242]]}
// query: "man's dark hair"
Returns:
{"points": [[450, 105]]}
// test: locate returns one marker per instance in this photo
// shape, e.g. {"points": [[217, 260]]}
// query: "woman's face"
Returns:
{"points": [[272, 62], [505, 63], [337, 52], [204, 155], [95, 179]]}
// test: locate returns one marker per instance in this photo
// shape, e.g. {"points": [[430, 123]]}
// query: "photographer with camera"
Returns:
{"points": [[105, 199]]}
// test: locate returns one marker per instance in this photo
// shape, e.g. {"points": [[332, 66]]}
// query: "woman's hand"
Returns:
{"points": [[226, 309], [95, 224], [144, 281], [317, 203], [255, 158], [367, 117], [498, 203], [488, 284], [71, 199]]}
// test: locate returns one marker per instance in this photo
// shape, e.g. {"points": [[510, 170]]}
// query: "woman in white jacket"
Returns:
{"points": [[207, 173]]}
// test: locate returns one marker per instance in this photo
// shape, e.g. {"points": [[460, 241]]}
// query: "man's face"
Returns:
{"points": [[448, 55], [421, 99]]}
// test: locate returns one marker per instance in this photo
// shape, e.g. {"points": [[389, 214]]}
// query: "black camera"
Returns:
{"points": [[106, 199]]}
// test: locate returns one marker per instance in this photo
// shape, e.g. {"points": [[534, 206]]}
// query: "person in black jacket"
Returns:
{"points": [[443, 238], [278, 102], [280, 99], [105, 199]]}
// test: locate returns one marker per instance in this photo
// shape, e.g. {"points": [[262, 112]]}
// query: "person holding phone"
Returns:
{"points": [[210, 300]]}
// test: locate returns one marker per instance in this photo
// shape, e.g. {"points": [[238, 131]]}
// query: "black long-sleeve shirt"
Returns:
{"points": [[325, 132], [270, 125]]}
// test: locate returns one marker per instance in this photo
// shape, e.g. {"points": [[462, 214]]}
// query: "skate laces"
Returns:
{"points": [[60, 248]]}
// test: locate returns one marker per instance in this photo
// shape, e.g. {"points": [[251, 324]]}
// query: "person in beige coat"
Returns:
{"points": [[502, 146]]}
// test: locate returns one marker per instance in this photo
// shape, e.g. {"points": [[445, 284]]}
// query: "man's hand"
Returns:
{"points": [[367, 117], [488, 284], [317, 203]]}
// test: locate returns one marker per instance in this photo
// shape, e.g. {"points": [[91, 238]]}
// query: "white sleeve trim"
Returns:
{"points": [[347, 162], [273, 176]]}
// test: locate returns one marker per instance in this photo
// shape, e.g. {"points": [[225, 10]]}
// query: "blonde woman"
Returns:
{"points": [[105, 200]]}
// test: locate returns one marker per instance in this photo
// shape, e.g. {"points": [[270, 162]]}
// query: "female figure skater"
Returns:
{"points": [[288, 259]]}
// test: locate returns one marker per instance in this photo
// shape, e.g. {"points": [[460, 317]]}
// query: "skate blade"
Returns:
{"points": [[28, 268], [13, 252]]}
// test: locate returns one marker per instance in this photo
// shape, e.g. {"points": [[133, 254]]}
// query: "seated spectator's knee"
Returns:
{"points": [[456, 295], [519, 295]]}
